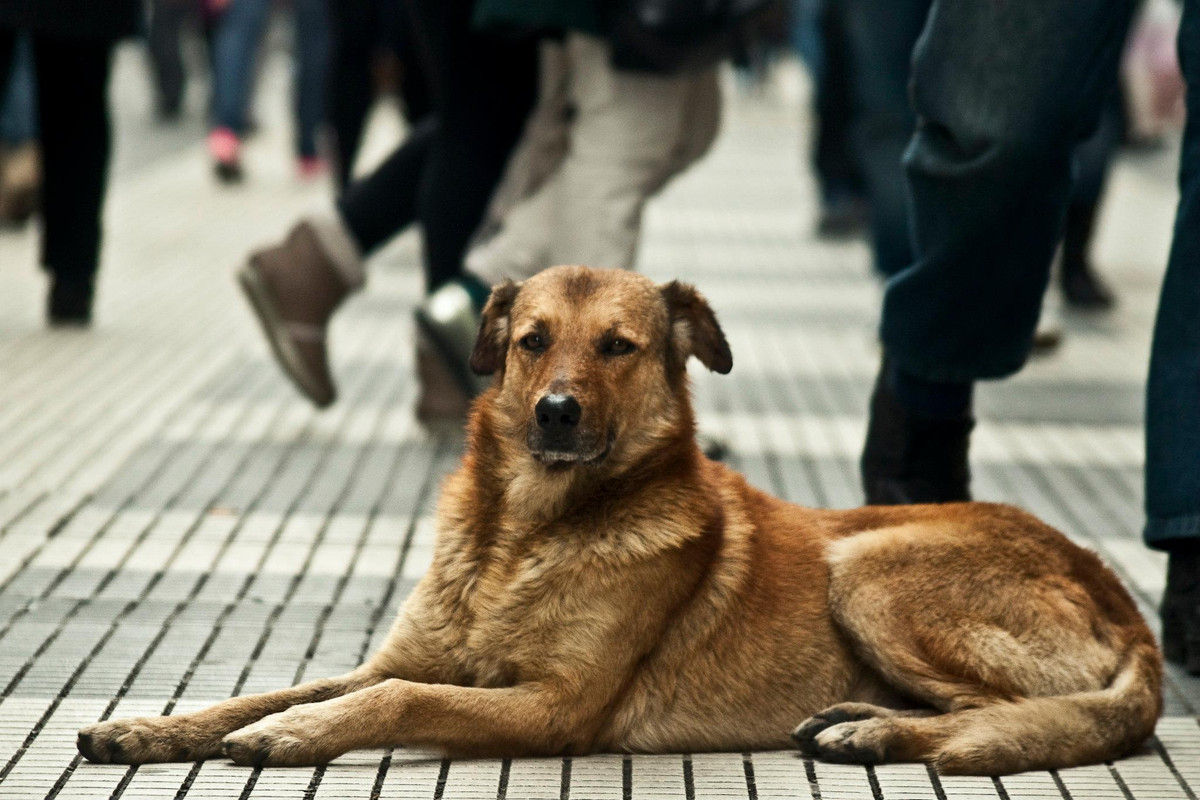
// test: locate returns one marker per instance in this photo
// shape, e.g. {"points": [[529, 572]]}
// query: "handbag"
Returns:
{"points": [[669, 36]]}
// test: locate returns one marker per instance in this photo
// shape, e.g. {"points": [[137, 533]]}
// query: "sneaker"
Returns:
{"points": [[225, 148], [1180, 609], [294, 289], [910, 458], [449, 319]]}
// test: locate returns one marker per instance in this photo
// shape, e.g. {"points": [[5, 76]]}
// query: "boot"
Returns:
{"points": [[294, 288], [441, 397], [910, 458], [20, 184], [1180, 609]]}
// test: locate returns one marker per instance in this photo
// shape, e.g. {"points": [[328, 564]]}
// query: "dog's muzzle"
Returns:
{"points": [[557, 439]]}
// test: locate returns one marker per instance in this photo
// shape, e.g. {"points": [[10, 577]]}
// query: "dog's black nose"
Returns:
{"points": [[557, 413]]}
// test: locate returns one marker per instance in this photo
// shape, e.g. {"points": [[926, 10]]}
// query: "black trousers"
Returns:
{"points": [[72, 101], [359, 30], [167, 19], [444, 174], [834, 160]]}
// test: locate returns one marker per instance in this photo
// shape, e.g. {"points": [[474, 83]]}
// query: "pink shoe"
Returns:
{"points": [[225, 149], [311, 167]]}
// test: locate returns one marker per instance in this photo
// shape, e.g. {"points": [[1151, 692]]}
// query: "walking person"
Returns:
{"points": [[442, 177], [72, 42], [238, 31], [1005, 92], [361, 33], [602, 142], [20, 157]]}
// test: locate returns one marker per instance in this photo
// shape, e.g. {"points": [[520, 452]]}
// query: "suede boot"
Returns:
{"points": [[294, 288]]}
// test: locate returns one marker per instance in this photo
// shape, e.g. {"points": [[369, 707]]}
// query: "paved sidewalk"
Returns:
{"points": [[176, 526]]}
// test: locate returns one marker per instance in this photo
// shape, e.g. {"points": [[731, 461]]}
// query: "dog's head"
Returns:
{"points": [[590, 364]]}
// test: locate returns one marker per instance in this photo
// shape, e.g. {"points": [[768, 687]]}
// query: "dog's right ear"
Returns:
{"points": [[491, 344]]}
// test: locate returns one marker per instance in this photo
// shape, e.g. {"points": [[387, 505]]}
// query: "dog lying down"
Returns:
{"points": [[599, 585]]}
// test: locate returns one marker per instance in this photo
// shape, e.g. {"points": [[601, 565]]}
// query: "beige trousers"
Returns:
{"points": [[599, 144]]}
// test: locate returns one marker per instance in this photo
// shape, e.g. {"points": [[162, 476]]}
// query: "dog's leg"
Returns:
{"points": [[522, 720], [196, 736], [1033, 669]]}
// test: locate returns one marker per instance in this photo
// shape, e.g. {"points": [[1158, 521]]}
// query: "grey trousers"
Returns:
{"points": [[577, 185]]}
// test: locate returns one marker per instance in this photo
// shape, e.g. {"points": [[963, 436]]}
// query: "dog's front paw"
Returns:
{"points": [[143, 740], [280, 740]]}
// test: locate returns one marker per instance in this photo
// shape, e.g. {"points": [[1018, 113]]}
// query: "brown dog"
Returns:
{"points": [[599, 585]]}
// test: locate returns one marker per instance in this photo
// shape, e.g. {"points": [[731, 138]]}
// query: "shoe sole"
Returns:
{"points": [[447, 356], [275, 330]]}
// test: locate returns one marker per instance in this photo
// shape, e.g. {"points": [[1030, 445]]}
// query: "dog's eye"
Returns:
{"points": [[533, 343], [618, 347]]}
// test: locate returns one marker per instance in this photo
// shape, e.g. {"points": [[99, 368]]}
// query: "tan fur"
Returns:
{"points": [[630, 595]]}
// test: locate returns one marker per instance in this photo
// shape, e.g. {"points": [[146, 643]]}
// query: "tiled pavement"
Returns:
{"points": [[176, 526]]}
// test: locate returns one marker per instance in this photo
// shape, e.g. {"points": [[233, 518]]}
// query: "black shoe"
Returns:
{"points": [[1083, 290], [70, 303], [1081, 287], [1180, 609], [910, 458], [714, 447], [842, 218], [228, 172]]}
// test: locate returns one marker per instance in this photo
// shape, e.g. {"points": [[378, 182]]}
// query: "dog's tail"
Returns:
{"points": [[1054, 732]]}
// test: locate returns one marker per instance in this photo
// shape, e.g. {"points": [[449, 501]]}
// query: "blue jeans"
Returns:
{"points": [[238, 33], [1004, 92], [312, 63], [1173, 393], [235, 47], [18, 113], [881, 35]]}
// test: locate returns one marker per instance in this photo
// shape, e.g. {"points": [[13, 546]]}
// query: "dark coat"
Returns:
{"points": [[570, 15], [106, 20]]}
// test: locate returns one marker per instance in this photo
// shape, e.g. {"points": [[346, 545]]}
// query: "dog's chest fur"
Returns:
{"points": [[513, 609]]}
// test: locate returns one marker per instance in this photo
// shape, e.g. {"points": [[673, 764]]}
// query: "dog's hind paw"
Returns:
{"points": [[805, 735], [862, 742]]}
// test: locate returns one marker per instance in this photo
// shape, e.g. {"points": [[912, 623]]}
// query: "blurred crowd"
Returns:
{"points": [[970, 143]]}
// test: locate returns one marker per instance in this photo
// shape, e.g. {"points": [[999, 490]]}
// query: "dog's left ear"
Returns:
{"points": [[694, 328], [491, 343]]}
